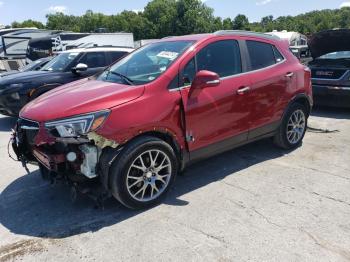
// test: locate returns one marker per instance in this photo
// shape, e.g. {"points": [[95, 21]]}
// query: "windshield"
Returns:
{"points": [[336, 55], [60, 62], [31, 65], [146, 64]]}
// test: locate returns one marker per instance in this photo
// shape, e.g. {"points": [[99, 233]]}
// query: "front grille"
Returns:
{"points": [[328, 73], [28, 129]]}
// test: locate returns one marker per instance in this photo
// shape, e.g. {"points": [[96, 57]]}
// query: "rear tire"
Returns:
{"points": [[143, 172], [293, 127]]}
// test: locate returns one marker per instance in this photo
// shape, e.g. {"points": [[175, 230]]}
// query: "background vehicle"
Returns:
{"points": [[33, 66], [19, 47], [331, 67], [17, 90], [166, 105], [297, 42], [14, 44]]}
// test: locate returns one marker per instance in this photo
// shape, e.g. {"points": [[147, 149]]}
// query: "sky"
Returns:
{"points": [[19, 10]]}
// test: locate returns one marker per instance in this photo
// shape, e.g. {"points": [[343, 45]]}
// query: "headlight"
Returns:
{"points": [[78, 125]]}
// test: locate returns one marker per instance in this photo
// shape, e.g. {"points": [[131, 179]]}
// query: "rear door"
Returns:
{"points": [[267, 71], [216, 117]]}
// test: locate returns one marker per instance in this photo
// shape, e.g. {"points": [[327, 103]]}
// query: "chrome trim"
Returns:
{"points": [[244, 90], [338, 88], [29, 127], [213, 82], [346, 88]]}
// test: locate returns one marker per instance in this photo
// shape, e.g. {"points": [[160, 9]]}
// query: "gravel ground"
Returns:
{"points": [[255, 203]]}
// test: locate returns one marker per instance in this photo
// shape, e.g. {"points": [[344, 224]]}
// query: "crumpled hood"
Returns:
{"points": [[79, 97], [329, 41]]}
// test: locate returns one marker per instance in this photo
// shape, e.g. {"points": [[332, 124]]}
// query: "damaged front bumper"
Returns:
{"points": [[81, 159]]}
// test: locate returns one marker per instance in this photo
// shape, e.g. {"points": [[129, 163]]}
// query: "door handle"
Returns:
{"points": [[243, 90], [290, 74]]}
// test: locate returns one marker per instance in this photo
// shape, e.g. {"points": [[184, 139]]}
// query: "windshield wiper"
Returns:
{"points": [[125, 78]]}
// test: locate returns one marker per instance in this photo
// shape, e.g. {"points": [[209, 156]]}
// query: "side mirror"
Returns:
{"points": [[79, 68], [204, 79]]}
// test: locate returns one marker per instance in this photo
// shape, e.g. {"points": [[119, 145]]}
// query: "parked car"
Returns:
{"points": [[33, 66], [331, 67], [17, 90], [133, 127]]}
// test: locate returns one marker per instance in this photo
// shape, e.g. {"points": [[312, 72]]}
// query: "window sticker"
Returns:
{"points": [[168, 55]]}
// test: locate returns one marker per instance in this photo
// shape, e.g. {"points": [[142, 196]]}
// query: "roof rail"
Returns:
{"points": [[115, 46], [246, 33]]}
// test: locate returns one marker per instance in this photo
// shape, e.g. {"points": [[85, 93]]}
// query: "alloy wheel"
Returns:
{"points": [[149, 175], [296, 127]]}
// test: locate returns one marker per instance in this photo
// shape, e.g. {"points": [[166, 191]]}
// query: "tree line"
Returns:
{"points": [[162, 18]]}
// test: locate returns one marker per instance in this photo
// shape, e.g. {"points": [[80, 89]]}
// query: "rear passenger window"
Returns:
{"points": [[261, 54], [278, 56], [222, 57]]}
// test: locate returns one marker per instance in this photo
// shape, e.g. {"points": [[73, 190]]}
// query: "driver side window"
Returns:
{"points": [[222, 57]]}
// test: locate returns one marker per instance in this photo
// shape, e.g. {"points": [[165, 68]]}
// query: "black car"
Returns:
{"points": [[18, 89], [331, 67], [33, 66]]}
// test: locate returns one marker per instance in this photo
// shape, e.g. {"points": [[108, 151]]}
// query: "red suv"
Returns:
{"points": [[133, 127]]}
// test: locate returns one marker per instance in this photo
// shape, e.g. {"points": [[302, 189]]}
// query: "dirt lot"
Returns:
{"points": [[255, 203]]}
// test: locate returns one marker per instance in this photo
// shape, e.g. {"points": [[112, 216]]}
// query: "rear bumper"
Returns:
{"points": [[328, 95]]}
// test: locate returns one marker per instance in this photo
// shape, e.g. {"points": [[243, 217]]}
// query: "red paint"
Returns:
{"points": [[211, 113]]}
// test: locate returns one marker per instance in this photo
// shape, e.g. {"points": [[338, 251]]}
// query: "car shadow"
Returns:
{"points": [[29, 206], [331, 112], [7, 123]]}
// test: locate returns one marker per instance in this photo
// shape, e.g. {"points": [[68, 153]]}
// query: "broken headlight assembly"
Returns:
{"points": [[77, 125]]}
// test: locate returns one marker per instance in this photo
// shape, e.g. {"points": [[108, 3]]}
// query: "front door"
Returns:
{"points": [[216, 117]]}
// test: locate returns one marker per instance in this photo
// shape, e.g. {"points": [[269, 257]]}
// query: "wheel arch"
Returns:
{"points": [[34, 93], [110, 154], [302, 99]]}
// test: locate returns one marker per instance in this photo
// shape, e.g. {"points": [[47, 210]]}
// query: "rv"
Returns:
{"points": [[14, 44], [20, 47], [297, 42]]}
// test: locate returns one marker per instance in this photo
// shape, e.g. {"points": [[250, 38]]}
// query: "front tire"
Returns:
{"points": [[293, 127], [143, 172]]}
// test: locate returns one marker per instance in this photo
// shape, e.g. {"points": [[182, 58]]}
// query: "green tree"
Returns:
{"points": [[28, 23], [163, 15], [241, 22], [227, 24]]}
